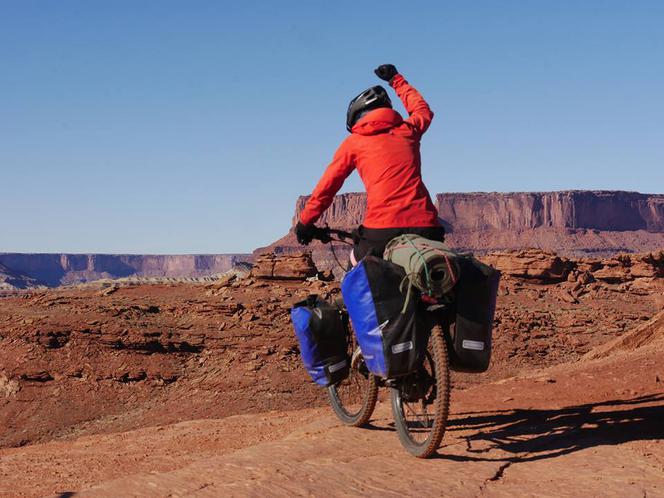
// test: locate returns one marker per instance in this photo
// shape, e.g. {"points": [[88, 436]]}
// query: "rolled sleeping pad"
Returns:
{"points": [[429, 264]]}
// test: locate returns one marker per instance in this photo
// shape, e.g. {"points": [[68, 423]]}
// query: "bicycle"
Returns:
{"points": [[419, 401]]}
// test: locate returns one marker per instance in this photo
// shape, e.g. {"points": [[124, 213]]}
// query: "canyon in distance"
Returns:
{"points": [[569, 223]]}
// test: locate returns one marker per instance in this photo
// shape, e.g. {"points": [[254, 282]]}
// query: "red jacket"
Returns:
{"points": [[385, 149]]}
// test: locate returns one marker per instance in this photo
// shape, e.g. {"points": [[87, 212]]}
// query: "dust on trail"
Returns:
{"points": [[593, 428]]}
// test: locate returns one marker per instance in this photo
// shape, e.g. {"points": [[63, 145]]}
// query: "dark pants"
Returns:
{"points": [[374, 240]]}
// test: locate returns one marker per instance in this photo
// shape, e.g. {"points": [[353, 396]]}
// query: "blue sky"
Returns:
{"points": [[191, 127]]}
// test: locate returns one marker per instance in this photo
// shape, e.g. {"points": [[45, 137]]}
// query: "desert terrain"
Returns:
{"points": [[571, 223], [179, 389]]}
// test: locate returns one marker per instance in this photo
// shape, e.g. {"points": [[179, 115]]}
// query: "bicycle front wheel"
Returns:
{"points": [[354, 399], [420, 402]]}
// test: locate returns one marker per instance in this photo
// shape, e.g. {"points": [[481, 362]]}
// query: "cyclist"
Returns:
{"points": [[385, 150]]}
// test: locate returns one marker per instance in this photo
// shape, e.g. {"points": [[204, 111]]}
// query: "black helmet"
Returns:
{"points": [[373, 98]]}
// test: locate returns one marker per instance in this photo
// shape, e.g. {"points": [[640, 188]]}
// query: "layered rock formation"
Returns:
{"points": [[9, 279], [514, 211], [570, 223], [284, 267], [28, 270], [544, 267], [346, 211], [602, 210], [649, 332]]}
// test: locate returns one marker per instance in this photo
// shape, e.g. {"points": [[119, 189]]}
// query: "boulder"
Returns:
{"points": [[647, 265], [531, 264], [284, 266], [585, 278], [613, 272]]}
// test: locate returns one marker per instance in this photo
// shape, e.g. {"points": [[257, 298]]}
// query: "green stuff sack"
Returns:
{"points": [[430, 265]]}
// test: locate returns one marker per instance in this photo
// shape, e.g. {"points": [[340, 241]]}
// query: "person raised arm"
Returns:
{"points": [[420, 115]]}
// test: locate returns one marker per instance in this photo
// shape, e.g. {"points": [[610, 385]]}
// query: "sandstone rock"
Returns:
{"points": [[109, 290], [586, 265], [570, 223], [530, 264], [36, 375], [641, 335], [647, 265], [8, 387], [585, 277], [568, 297], [612, 271], [194, 336], [598, 210], [284, 266], [224, 281]]}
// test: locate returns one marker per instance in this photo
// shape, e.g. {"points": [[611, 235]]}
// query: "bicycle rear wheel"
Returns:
{"points": [[420, 402], [354, 399]]}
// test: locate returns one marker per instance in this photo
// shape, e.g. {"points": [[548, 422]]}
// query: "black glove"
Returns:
{"points": [[304, 233], [386, 72]]}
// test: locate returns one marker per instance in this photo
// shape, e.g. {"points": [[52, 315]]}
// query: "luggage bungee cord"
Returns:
{"points": [[412, 277]]}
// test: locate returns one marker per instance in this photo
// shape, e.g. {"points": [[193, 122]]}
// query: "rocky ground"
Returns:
{"points": [[101, 387]]}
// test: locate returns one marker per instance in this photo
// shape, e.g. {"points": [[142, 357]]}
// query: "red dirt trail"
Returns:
{"points": [[592, 428]]}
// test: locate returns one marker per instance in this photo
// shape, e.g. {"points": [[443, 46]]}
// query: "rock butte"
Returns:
{"points": [[570, 223]]}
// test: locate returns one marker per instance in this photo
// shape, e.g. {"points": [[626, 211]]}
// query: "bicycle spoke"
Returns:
{"points": [[421, 422], [354, 399], [419, 416]]}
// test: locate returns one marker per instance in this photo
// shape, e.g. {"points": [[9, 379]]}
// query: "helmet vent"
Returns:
{"points": [[372, 98]]}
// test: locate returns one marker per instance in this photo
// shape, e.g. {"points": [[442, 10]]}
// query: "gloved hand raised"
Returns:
{"points": [[386, 72], [304, 233]]}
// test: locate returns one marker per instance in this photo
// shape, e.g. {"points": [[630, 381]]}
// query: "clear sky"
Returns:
{"points": [[192, 126]]}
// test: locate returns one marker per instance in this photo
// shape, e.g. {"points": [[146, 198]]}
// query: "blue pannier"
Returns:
{"points": [[321, 330], [392, 337]]}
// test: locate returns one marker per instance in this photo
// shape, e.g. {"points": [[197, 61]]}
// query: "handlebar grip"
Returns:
{"points": [[322, 234], [341, 233]]}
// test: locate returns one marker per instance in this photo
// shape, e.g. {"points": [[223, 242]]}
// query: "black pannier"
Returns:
{"points": [[475, 305], [322, 331]]}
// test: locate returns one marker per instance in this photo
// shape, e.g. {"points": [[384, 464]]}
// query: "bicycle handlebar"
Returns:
{"points": [[324, 234]]}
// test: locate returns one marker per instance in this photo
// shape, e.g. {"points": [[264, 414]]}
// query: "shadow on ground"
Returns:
{"points": [[536, 434]]}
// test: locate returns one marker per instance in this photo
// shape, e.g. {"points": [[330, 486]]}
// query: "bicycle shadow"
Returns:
{"points": [[538, 434]]}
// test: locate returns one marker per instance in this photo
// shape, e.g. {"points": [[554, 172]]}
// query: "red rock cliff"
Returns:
{"points": [[599, 210], [571, 223], [602, 210], [347, 210]]}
